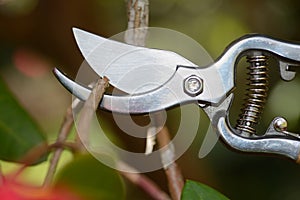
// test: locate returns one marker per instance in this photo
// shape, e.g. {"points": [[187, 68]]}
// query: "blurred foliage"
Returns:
{"points": [[31, 28], [196, 191], [16, 8], [92, 179], [18, 132], [13, 190]]}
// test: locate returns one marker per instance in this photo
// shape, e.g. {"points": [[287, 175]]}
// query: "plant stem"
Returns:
{"points": [[31, 157], [64, 132], [87, 111], [34, 154], [138, 19], [172, 170], [72, 146], [142, 181], [84, 121], [89, 107]]}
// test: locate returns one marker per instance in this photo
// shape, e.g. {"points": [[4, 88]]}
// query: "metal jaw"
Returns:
{"points": [[273, 141], [211, 86], [217, 78], [276, 140]]}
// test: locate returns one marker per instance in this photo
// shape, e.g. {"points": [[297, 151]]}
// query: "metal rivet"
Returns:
{"points": [[280, 124], [193, 85]]}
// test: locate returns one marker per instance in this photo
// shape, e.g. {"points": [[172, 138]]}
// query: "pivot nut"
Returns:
{"points": [[193, 85]]}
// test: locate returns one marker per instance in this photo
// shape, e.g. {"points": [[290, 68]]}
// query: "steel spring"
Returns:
{"points": [[256, 94]]}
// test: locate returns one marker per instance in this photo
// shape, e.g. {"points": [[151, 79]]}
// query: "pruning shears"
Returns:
{"points": [[180, 81]]}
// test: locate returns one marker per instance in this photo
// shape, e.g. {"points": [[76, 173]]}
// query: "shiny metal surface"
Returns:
{"points": [[193, 85], [218, 82], [280, 124], [226, 62], [170, 94], [218, 78], [76, 89], [256, 93], [273, 142], [285, 72], [127, 66]]}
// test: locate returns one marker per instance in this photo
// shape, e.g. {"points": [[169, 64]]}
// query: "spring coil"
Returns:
{"points": [[256, 93]]}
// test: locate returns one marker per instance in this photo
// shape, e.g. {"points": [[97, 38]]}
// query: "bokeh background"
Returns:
{"points": [[36, 36]]}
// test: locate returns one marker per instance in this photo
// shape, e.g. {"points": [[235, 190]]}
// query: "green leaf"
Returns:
{"points": [[91, 179], [18, 131], [197, 191]]}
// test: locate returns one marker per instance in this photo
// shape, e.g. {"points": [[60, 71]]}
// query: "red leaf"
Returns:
{"points": [[11, 190]]}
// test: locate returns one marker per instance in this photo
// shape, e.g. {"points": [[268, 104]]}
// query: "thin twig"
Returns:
{"points": [[38, 152], [84, 121], [138, 19], [72, 146], [64, 132], [89, 107], [142, 181], [60, 144], [34, 154], [31, 157], [172, 170]]}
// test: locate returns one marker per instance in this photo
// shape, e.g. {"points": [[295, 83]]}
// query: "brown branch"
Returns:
{"points": [[298, 159], [35, 154], [142, 181], [89, 107], [64, 132], [172, 170], [72, 146], [87, 111], [32, 156], [138, 19]]}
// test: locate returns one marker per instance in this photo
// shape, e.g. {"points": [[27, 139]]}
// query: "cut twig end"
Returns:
{"points": [[106, 80]]}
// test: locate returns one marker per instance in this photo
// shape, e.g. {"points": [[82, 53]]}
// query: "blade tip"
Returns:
{"points": [[58, 74], [56, 71], [75, 29]]}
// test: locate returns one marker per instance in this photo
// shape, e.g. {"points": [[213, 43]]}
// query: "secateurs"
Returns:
{"points": [[211, 87]]}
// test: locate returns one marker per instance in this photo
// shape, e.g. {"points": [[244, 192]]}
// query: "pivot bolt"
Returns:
{"points": [[193, 85]]}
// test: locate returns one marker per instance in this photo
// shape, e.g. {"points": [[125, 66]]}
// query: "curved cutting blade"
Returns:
{"points": [[129, 68]]}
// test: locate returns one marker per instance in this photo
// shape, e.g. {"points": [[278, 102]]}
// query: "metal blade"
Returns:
{"points": [[77, 90], [129, 68], [170, 94], [119, 104]]}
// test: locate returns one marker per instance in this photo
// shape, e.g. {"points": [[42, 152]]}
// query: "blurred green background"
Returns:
{"points": [[36, 36]]}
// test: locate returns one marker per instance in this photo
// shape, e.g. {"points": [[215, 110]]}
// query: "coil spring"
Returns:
{"points": [[256, 93]]}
